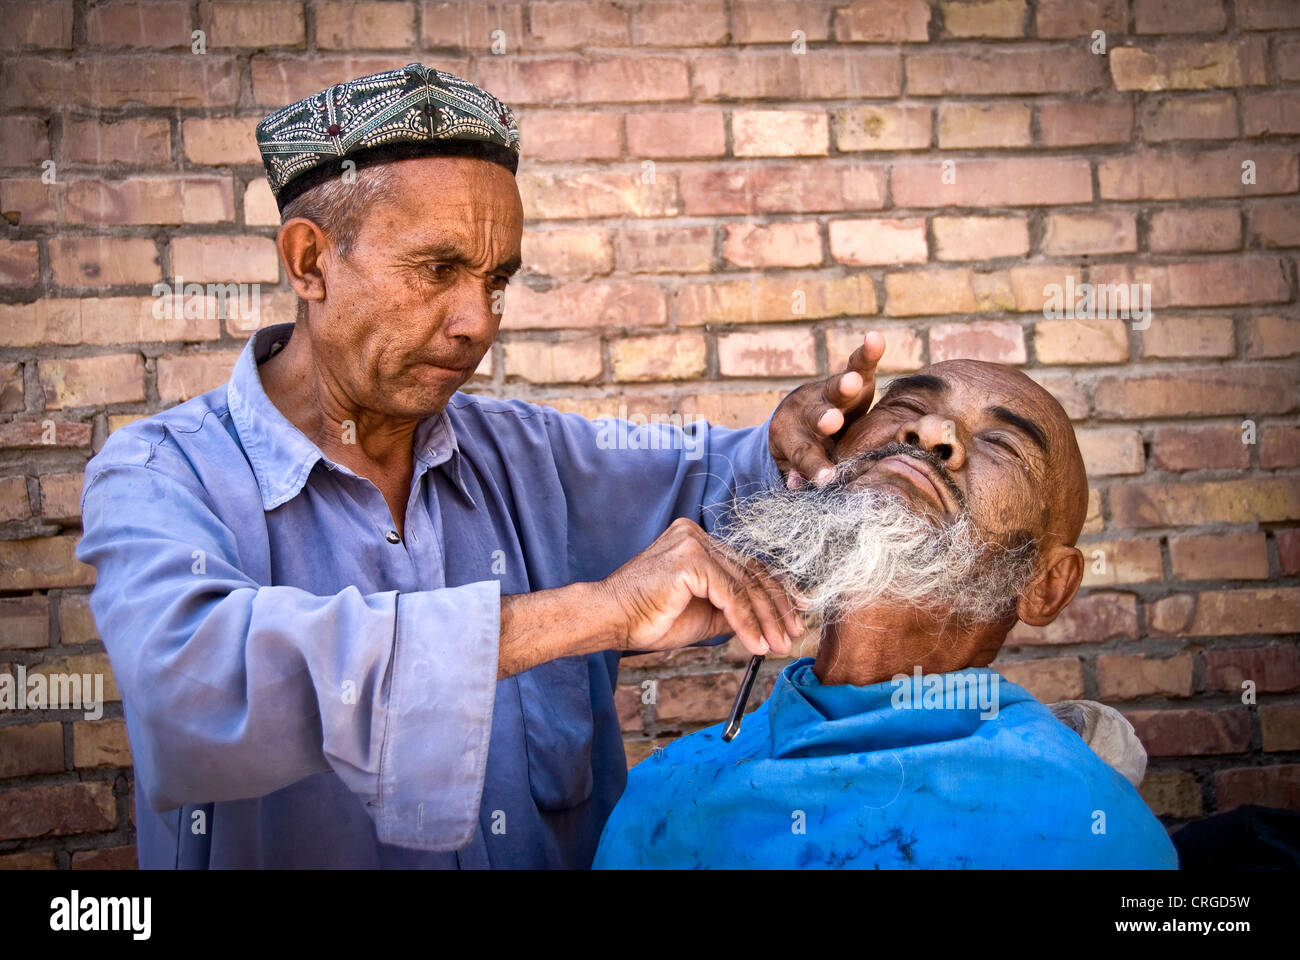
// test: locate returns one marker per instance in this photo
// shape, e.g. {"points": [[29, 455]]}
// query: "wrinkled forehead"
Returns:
{"points": [[972, 386]]}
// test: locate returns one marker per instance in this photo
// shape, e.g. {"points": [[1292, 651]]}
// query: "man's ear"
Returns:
{"points": [[301, 243], [1053, 587]]}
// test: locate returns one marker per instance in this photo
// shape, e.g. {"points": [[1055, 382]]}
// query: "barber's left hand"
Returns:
{"points": [[801, 435]]}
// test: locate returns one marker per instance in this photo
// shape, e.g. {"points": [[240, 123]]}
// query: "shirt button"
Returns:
{"points": [[392, 537]]}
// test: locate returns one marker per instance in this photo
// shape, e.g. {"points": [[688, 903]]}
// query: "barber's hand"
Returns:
{"points": [[686, 587], [803, 425]]}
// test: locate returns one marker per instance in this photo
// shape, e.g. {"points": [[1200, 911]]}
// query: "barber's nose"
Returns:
{"points": [[936, 435]]}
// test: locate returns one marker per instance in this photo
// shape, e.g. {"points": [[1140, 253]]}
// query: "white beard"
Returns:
{"points": [[845, 550]]}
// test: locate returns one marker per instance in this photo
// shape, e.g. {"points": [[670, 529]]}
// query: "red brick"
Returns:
{"points": [[19, 263], [772, 245], [939, 292], [980, 238], [773, 21], [1189, 733], [1069, 234], [166, 24], [1214, 228], [226, 259], [830, 75], [735, 408], [106, 858], [1188, 336], [615, 305], [780, 133], [24, 141], [1279, 727], [469, 26], [1005, 70], [24, 621], [575, 253], [584, 80], [86, 381], [576, 23], [1050, 679], [1189, 117], [775, 298], [967, 125], [219, 141], [11, 388], [1275, 224], [165, 200], [695, 698], [1079, 18], [627, 701], [883, 21], [81, 663], [1249, 500], [26, 202], [100, 743], [61, 495], [1272, 336], [1123, 676], [1188, 66], [1287, 59], [181, 376], [805, 188], [569, 361], [1160, 175], [173, 82], [593, 194], [1173, 16], [1273, 786], [1273, 669], [993, 341], [13, 499], [133, 140], [64, 434], [571, 135], [1280, 447], [1288, 551], [38, 25], [1109, 452], [667, 357], [1219, 556], [1011, 182], [767, 353], [1073, 123], [664, 249], [29, 860], [98, 262], [677, 133], [682, 23], [984, 18], [105, 320], [76, 623], [905, 127], [1227, 612], [1117, 562], [57, 810], [1081, 341], [1196, 391], [31, 748], [349, 25], [1094, 618], [879, 241], [1267, 15], [279, 79], [266, 23]]}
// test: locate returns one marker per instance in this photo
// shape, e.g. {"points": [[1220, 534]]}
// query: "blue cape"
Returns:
{"points": [[884, 776]]}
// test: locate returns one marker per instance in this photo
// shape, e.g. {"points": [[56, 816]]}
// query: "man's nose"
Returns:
{"points": [[474, 312], [936, 435]]}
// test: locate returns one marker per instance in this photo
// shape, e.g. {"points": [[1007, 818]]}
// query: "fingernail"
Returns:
{"points": [[824, 476], [795, 481], [763, 647]]}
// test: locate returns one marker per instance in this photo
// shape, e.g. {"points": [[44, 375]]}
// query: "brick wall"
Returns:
{"points": [[713, 218]]}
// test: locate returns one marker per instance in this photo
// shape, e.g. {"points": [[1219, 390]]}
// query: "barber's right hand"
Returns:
{"points": [[686, 587]]}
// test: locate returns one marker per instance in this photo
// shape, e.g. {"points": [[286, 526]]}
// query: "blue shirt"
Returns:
{"points": [[843, 776], [301, 692]]}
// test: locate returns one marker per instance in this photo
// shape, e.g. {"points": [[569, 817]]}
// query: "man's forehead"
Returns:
{"points": [[979, 385]]}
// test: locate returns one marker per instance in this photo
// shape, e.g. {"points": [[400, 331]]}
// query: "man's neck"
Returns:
{"points": [[873, 646], [301, 389]]}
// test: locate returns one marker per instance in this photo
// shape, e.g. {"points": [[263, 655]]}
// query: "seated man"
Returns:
{"points": [[960, 497]]}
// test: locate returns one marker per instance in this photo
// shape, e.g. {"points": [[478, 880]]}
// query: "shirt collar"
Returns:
{"points": [[282, 456], [809, 718]]}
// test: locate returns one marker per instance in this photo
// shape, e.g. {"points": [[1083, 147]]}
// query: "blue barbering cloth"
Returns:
{"points": [[884, 776]]}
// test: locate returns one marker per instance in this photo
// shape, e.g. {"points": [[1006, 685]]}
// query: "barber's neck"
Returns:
{"points": [[302, 387], [872, 646]]}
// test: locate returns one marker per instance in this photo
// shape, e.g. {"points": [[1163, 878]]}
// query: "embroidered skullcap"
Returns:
{"points": [[416, 111]]}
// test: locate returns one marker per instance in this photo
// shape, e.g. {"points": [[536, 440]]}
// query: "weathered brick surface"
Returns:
{"points": [[713, 217]]}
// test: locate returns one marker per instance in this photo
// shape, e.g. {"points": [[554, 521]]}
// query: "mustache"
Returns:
{"points": [[851, 468]]}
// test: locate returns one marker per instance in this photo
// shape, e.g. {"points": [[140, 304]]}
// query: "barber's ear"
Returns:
{"points": [[300, 244], [1053, 587]]}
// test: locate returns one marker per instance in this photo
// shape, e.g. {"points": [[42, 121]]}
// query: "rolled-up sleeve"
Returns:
{"points": [[236, 689]]}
